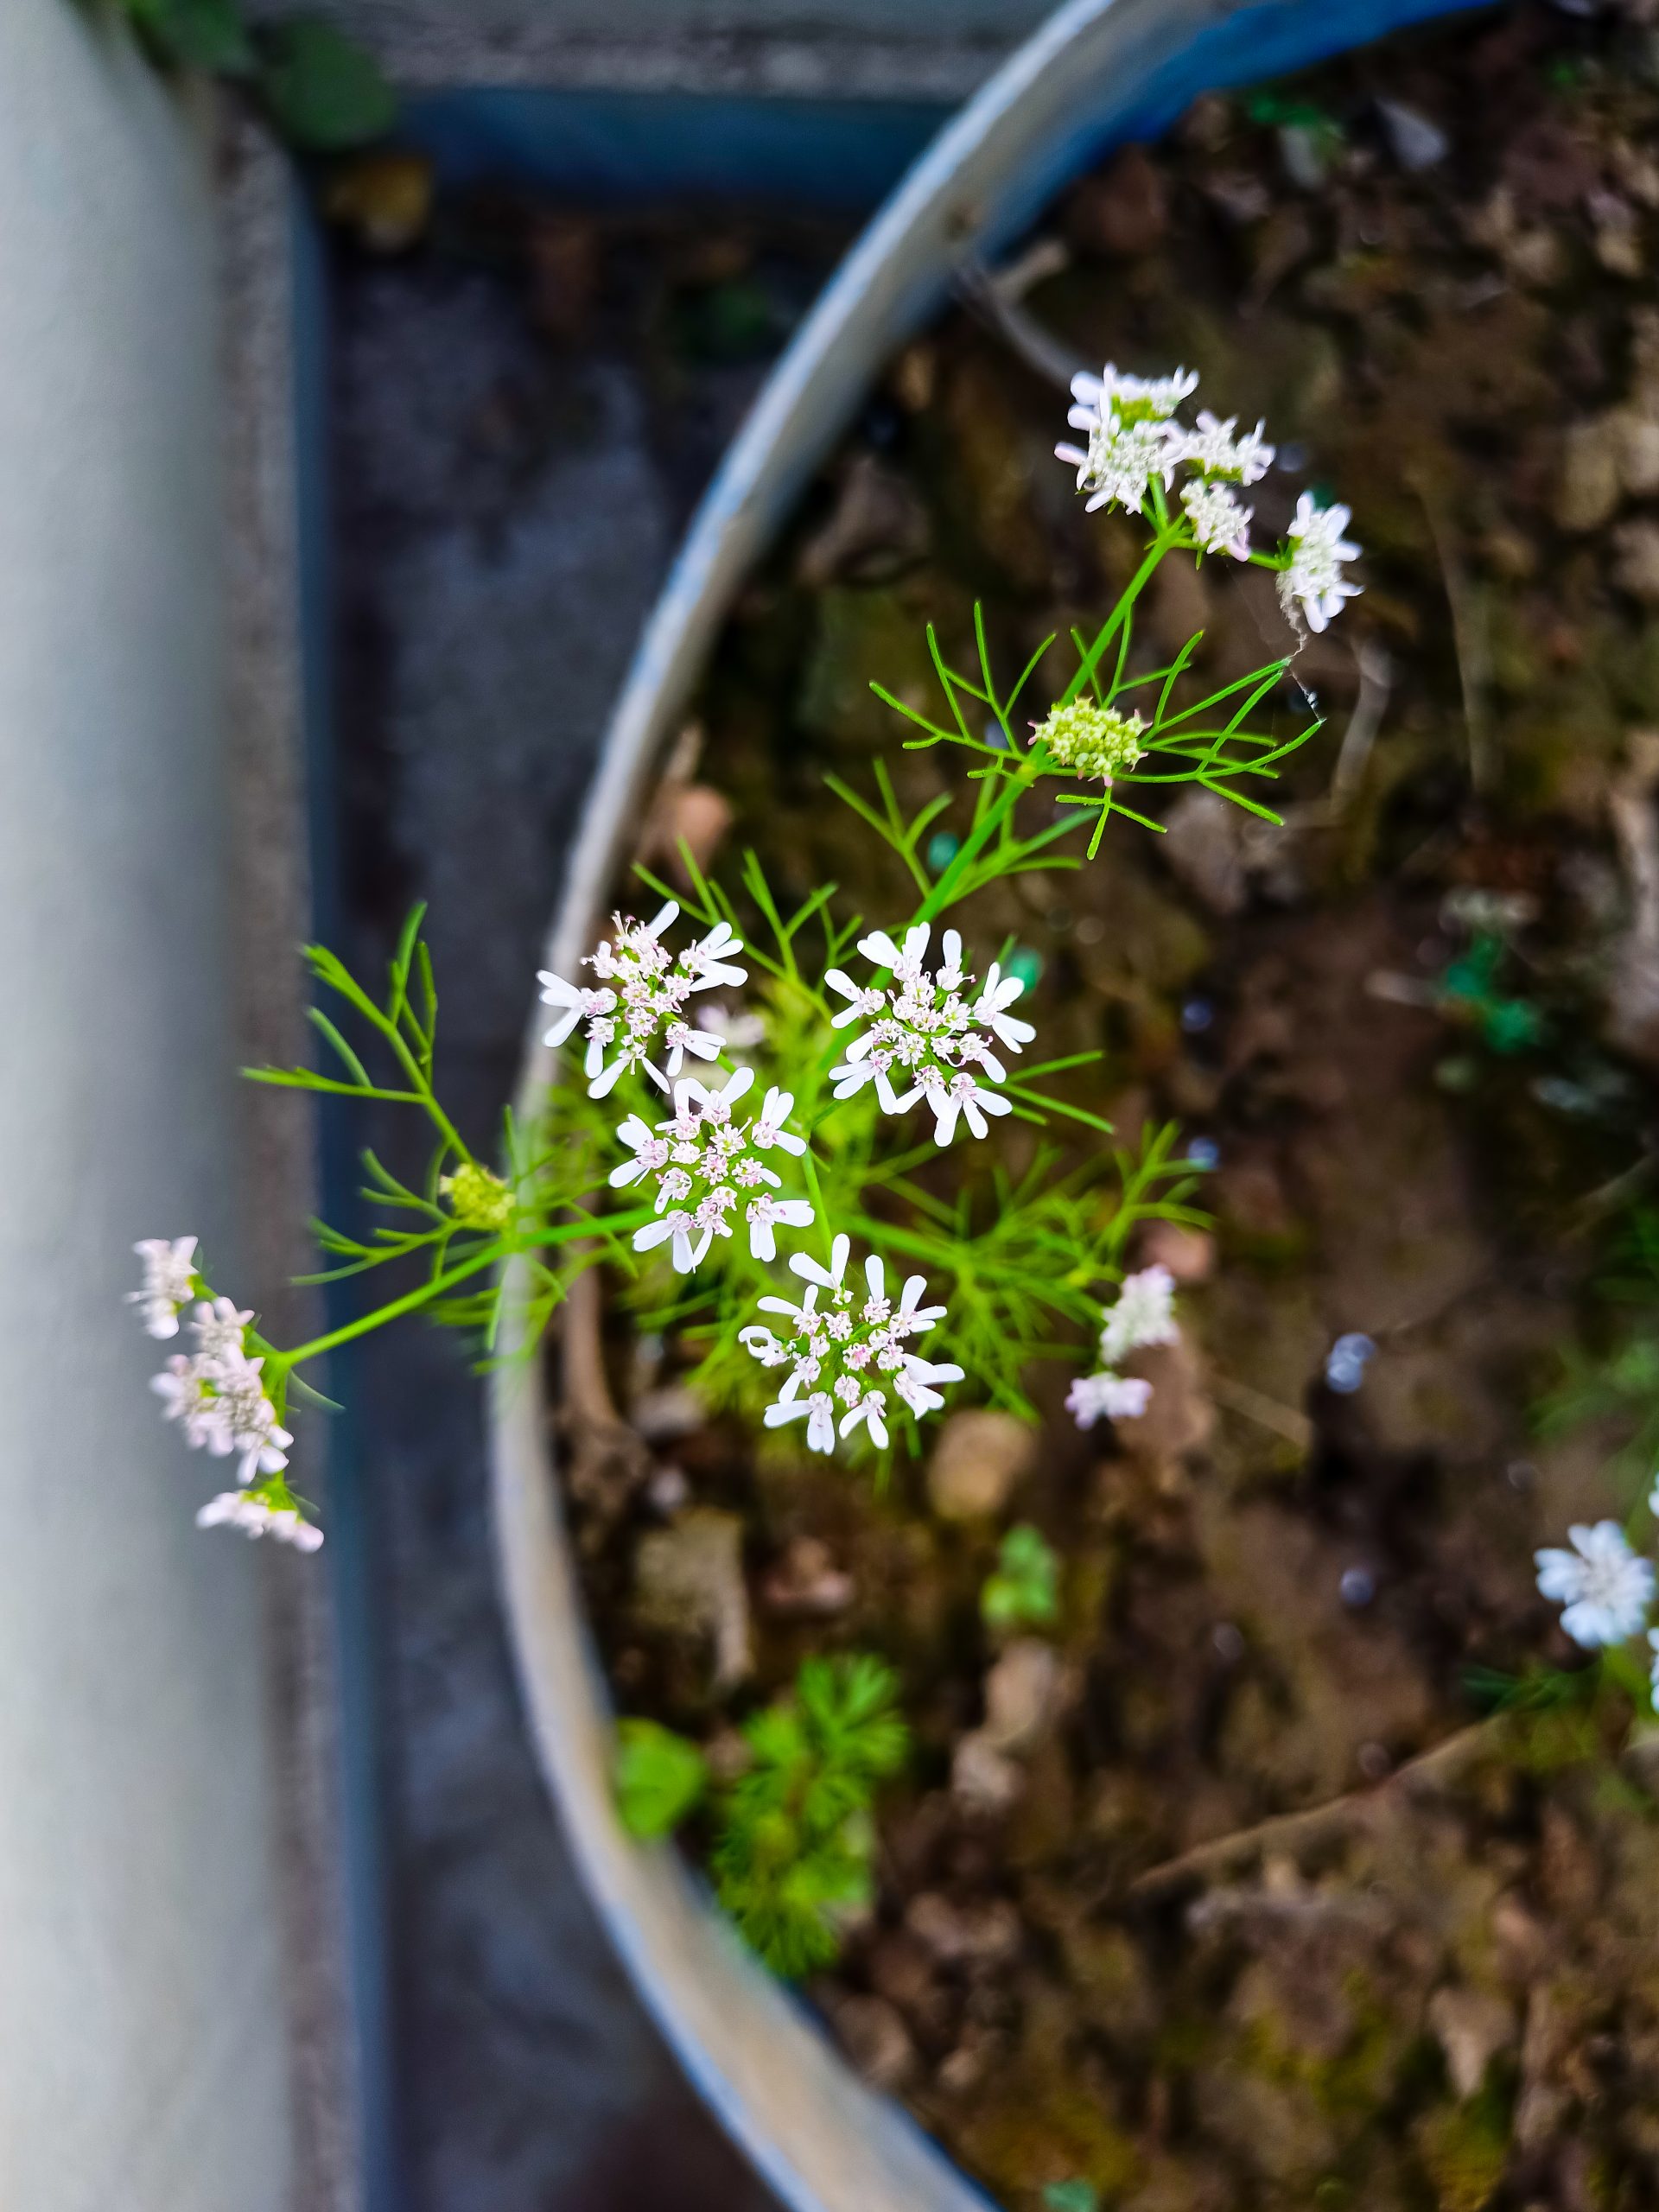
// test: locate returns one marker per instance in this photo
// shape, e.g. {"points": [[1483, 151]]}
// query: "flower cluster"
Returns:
{"points": [[704, 1164], [217, 1396], [840, 1351], [1144, 1313], [255, 1516], [1313, 585], [1090, 740], [169, 1281], [1131, 433], [641, 1000], [1606, 1588], [927, 1031], [1132, 440]]}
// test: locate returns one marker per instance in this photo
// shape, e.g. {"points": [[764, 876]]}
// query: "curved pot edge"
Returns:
{"points": [[1099, 70]]}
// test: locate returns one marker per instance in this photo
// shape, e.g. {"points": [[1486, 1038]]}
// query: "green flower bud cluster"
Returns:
{"points": [[477, 1198], [1090, 740]]}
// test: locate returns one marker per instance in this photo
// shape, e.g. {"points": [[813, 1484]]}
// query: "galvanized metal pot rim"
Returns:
{"points": [[1098, 70]]}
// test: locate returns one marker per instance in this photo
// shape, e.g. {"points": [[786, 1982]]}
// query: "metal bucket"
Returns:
{"points": [[1100, 72]]}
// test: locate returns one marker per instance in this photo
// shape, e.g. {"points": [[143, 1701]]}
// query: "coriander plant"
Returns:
{"points": [[695, 1140], [780, 1181]]}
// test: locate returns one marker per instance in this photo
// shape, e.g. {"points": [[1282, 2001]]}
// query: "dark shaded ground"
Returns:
{"points": [[525, 413]]}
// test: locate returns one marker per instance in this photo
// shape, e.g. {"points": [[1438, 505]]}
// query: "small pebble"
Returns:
{"points": [[1373, 1762], [668, 1490], [1293, 457], [1415, 142], [1521, 1474], [994, 738], [1197, 1016], [1203, 1151], [1358, 1586], [1345, 1366], [1229, 1642], [942, 849]]}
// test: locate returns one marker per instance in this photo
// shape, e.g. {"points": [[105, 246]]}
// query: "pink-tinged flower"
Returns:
{"points": [[841, 1347], [706, 1165], [642, 996]]}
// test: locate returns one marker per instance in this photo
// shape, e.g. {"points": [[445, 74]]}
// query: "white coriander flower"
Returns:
{"points": [[1605, 1587], [1219, 524], [844, 1351], [222, 1404], [643, 994], [1214, 449], [1090, 740], [1313, 585], [185, 1390], [1131, 437], [1154, 399], [705, 1166], [1106, 1397], [235, 1509], [250, 1421], [928, 1033], [1144, 1314], [218, 1330], [169, 1281]]}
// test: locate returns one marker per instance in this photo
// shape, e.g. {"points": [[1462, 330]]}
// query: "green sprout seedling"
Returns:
{"points": [[1074, 2196], [793, 1838], [661, 1778], [1023, 1591], [1469, 989]]}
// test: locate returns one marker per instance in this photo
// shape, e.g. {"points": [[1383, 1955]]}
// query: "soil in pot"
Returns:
{"points": [[1238, 1883]]}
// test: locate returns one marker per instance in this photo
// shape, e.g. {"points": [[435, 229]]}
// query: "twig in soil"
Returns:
{"points": [[1265, 1412], [1636, 827], [1470, 637], [995, 299], [1290, 1832], [608, 1459], [1376, 682], [1611, 1197]]}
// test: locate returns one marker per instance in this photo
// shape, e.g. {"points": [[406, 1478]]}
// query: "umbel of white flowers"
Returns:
{"points": [[706, 1165], [641, 1000], [217, 1397], [1143, 1313], [929, 1032], [840, 1349], [1133, 439]]}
